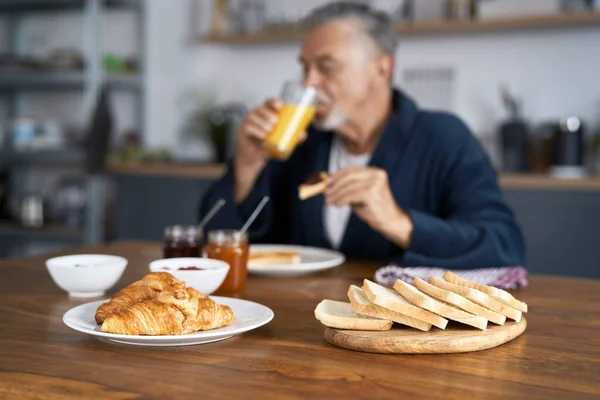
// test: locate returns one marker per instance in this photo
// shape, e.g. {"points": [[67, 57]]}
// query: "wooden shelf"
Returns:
{"points": [[64, 80], [38, 6], [282, 35], [62, 157], [425, 28], [52, 232], [547, 182]]}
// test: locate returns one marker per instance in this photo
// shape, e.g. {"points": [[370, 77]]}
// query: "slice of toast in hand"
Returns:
{"points": [[421, 299], [340, 315], [392, 300], [362, 305], [315, 185], [501, 295], [458, 301], [478, 297]]}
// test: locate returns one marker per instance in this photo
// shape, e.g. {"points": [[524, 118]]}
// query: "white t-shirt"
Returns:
{"points": [[336, 218]]}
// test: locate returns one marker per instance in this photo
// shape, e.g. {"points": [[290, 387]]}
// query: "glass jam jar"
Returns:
{"points": [[230, 246], [182, 241]]}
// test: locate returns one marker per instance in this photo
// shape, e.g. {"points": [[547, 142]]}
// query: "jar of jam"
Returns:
{"points": [[232, 247], [182, 241]]}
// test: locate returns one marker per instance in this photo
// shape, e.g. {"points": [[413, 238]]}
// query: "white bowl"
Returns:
{"points": [[86, 275], [206, 280]]}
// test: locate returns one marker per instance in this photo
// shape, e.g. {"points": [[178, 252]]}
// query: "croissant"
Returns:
{"points": [[146, 288], [174, 311]]}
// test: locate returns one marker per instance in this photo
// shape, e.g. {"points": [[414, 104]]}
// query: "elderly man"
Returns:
{"points": [[406, 185]]}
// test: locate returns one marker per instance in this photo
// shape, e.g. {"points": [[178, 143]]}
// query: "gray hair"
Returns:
{"points": [[377, 24]]}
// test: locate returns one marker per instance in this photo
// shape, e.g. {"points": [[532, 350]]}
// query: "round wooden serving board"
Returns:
{"points": [[456, 338]]}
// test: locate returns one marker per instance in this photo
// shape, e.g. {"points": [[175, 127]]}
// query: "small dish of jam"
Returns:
{"points": [[203, 274]]}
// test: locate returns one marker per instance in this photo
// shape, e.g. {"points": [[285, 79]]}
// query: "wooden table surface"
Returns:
{"points": [[558, 357]]}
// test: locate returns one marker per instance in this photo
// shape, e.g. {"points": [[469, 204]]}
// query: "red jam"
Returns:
{"points": [[190, 268]]}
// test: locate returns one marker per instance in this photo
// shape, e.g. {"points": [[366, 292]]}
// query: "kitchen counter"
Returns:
{"points": [[214, 171], [546, 182], [199, 171]]}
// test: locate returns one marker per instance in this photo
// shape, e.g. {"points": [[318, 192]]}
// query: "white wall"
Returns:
{"points": [[554, 72]]}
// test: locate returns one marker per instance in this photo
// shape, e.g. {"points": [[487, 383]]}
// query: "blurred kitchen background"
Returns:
{"points": [[116, 115]]}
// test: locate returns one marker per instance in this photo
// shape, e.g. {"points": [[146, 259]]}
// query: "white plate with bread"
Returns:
{"points": [[248, 316], [160, 310], [289, 260]]}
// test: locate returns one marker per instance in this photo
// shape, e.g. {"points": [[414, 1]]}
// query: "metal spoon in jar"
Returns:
{"points": [[213, 211], [254, 214]]}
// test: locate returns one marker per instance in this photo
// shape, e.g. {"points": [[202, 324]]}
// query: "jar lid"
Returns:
{"points": [[192, 231], [227, 237], [179, 231], [175, 231]]}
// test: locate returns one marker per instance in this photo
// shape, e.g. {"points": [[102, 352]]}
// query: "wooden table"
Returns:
{"points": [[40, 358]]}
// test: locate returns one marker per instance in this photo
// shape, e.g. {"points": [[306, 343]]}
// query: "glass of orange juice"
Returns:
{"points": [[298, 110]]}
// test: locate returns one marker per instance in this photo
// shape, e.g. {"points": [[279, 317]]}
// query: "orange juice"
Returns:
{"points": [[292, 121]]}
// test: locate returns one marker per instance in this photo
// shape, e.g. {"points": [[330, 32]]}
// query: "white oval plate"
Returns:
{"points": [[312, 259], [248, 316]]}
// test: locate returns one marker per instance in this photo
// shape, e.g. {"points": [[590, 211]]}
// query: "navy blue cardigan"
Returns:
{"points": [[438, 173]]}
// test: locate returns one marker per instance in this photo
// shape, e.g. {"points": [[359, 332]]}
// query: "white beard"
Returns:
{"points": [[334, 120]]}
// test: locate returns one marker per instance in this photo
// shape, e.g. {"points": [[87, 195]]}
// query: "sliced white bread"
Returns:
{"points": [[263, 258], [362, 305], [458, 301], [501, 295], [340, 315], [478, 297], [421, 299], [392, 300]]}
